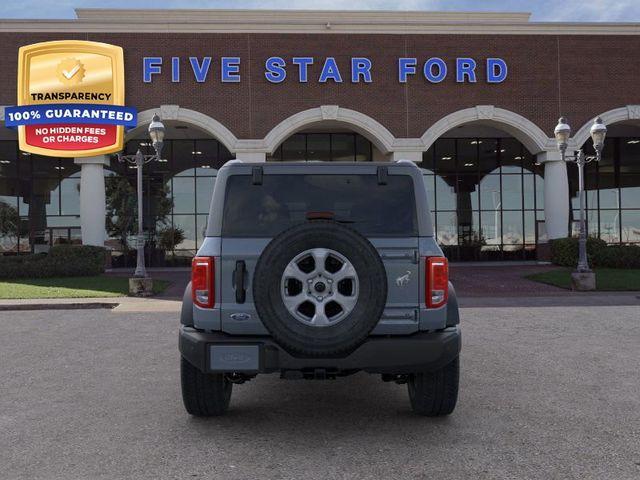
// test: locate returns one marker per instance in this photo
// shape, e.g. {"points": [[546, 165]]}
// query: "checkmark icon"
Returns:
{"points": [[71, 73]]}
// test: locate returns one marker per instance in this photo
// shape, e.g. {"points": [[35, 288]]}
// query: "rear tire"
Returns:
{"points": [[434, 394], [204, 394]]}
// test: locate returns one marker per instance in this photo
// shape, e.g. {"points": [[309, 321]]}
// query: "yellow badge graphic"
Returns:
{"points": [[71, 99], [70, 71]]}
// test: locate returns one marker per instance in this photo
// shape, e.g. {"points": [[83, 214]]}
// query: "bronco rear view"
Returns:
{"points": [[319, 270]]}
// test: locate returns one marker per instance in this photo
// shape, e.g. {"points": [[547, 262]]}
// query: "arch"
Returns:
{"points": [[527, 132], [200, 120], [382, 138], [629, 112]]}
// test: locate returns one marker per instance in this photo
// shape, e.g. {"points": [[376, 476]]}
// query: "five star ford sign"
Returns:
{"points": [[70, 99]]}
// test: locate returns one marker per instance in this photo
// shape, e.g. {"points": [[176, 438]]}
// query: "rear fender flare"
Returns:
{"points": [[186, 313], [453, 312]]}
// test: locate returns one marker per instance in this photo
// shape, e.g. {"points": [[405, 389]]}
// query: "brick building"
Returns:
{"points": [[473, 98]]}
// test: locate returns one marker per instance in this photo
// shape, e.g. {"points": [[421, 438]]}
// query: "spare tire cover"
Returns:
{"points": [[320, 288]]}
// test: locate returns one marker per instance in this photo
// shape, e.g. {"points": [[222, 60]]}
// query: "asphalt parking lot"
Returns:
{"points": [[549, 392]]}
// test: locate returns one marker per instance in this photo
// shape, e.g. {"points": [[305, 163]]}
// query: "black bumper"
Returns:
{"points": [[424, 351]]}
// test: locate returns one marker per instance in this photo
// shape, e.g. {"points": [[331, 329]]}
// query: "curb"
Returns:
{"points": [[57, 306]]}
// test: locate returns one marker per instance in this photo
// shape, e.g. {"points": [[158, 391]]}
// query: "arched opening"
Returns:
{"points": [[612, 186], [176, 190], [486, 193], [329, 133], [327, 142], [39, 199]]}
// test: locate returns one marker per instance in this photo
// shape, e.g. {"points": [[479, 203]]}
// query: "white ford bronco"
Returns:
{"points": [[319, 270]]}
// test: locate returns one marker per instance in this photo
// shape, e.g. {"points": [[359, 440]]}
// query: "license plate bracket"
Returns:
{"points": [[234, 358]]}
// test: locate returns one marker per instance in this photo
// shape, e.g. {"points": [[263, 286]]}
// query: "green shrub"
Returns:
{"points": [[618, 256], [61, 261], [564, 252]]}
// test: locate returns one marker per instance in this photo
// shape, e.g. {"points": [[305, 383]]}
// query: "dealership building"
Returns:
{"points": [[471, 98]]}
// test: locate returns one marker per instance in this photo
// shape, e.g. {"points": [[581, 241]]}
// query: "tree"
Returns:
{"points": [[122, 208], [9, 221]]}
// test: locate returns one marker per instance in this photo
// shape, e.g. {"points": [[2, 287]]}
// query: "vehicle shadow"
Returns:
{"points": [[359, 403]]}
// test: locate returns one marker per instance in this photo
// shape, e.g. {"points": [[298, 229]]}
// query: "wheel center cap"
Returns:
{"points": [[320, 287]]}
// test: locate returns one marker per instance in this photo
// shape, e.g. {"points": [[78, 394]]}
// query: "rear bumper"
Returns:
{"points": [[219, 352]]}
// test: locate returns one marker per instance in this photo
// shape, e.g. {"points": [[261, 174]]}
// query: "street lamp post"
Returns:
{"points": [[156, 133], [562, 133]]}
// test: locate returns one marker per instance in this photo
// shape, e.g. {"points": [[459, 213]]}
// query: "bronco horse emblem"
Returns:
{"points": [[404, 279]]}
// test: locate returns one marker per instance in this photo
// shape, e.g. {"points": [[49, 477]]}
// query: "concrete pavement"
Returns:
{"points": [[546, 393]]}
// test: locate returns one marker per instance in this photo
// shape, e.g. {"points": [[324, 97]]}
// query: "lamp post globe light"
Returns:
{"points": [[141, 284], [583, 278]]}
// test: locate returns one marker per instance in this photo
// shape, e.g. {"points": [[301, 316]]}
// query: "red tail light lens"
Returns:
{"points": [[437, 281], [203, 281]]}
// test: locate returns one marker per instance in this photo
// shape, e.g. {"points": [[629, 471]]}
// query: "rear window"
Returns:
{"points": [[282, 201]]}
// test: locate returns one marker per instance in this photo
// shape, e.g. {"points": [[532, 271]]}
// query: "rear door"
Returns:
{"points": [[255, 212]]}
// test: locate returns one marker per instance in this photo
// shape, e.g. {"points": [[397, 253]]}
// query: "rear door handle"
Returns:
{"points": [[238, 281]]}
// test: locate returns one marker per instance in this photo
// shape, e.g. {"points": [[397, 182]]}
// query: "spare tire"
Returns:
{"points": [[320, 288]]}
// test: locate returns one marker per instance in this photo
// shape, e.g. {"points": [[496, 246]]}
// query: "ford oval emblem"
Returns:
{"points": [[240, 316]]}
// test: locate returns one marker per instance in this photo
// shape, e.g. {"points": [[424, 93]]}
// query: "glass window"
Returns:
{"points": [[447, 228], [294, 148], [187, 223], [363, 149], [467, 192], [431, 194], [488, 156], [511, 155], [182, 158], [631, 226], [467, 153], [445, 195], [607, 186], [70, 196], [445, 157], [609, 226], [183, 195], [44, 166], [206, 156], [319, 147], [204, 189], [224, 155], [630, 190], [629, 155], [59, 221], [512, 228], [427, 159], [528, 191], [8, 159], [276, 156], [9, 223], [530, 227], [468, 227], [343, 147], [359, 200], [490, 198], [539, 191], [491, 224], [512, 192]]}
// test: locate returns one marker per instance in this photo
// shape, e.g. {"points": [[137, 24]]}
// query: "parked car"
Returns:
{"points": [[319, 270]]}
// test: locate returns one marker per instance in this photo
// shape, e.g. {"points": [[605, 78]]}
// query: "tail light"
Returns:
{"points": [[437, 281], [203, 281]]}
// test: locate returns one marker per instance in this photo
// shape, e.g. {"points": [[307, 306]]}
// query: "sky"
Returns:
{"points": [[542, 10]]}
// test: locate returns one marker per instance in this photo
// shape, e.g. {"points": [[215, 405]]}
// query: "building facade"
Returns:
{"points": [[472, 98]]}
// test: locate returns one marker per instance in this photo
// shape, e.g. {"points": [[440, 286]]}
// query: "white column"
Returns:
{"points": [[92, 199], [556, 194], [251, 156], [407, 155]]}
